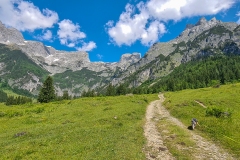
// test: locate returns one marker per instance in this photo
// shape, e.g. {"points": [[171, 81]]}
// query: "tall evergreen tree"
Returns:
{"points": [[47, 92], [66, 95], [3, 96], [110, 90], [121, 89]]}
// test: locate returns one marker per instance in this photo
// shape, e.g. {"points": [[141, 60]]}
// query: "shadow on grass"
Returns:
{"points": [[190, 128]]}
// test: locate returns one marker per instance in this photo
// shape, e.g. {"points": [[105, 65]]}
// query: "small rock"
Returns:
{"points": [[20, 134], [173, 136], [182, 143], [162, 149], [152, 156]]}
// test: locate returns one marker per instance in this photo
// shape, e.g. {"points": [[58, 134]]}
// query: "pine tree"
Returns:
{"points": [[121, 89], [47, 92], [65, 95], [110, 90], [3, 96]]}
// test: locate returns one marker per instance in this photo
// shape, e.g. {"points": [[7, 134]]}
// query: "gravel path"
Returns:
{"points": [[155, 147]]}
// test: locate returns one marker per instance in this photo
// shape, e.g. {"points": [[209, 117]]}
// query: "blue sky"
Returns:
{"points": [[109, 28]]}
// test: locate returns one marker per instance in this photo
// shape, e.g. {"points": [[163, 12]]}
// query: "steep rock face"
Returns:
{"points": [[10, 35]]}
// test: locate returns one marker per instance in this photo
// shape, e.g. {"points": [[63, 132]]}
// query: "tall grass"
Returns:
{"points": [[223, 130], [86, 128]]}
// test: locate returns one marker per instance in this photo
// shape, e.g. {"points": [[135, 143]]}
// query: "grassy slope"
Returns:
{"points": [[78, 129], [224, 131]]}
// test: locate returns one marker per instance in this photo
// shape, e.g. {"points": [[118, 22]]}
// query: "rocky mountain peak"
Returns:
{"points": [[201, 21], [213, 19], [10, 35], [1, 24], [189, 26]]}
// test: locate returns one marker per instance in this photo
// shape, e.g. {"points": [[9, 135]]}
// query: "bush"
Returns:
{"points": [[217, 112], [2, 114]]}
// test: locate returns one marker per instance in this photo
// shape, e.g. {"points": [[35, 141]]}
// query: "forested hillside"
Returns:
{"points": [[210, 71]]}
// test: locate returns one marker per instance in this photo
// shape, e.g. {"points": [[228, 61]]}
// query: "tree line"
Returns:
{"points": [[11, 100]]}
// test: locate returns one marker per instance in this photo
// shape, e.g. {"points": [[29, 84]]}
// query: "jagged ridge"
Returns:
{"points": [[204, 38]]}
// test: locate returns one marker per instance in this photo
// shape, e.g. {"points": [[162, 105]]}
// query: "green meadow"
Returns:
{"points": [[222, 130], [112, 127], [85, 128]]}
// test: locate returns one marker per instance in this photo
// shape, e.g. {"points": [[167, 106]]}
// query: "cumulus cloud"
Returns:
{"points": [[24, 16], [47, 36], [176, 10], [70, 35], [146, 21], [132, 27], [87, 46], [151, 34]]}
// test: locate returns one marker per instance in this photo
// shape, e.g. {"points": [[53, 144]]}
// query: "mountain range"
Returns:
{"points": [[25, 64]]}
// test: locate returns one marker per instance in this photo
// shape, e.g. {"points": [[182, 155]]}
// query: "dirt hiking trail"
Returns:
{"points": [[155, 148]]}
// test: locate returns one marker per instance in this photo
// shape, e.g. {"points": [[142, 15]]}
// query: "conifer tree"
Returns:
{"points": [[66, 95], [3, 96], [47, 92], [110, 90]]}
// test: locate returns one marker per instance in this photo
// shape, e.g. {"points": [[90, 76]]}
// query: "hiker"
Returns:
{"points": [[194, 123]]}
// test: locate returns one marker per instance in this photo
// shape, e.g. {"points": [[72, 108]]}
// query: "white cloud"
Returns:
{"points": [[130, 27], [99, 56], [110, 23], [152, 33], [23, 15], [87, 46], [70, 35], [176, 10], [145, 22], [47, 35], [238, 14]]}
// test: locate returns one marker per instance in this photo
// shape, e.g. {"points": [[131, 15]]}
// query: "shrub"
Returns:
{"points": [[2, 114], [217, 112]]}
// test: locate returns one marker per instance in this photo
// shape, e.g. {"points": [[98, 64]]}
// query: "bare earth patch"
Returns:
{"points": [[156, 149], [200, 103]]}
